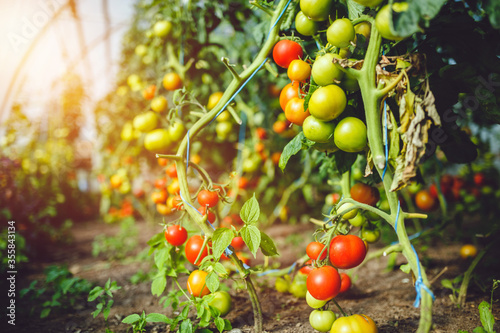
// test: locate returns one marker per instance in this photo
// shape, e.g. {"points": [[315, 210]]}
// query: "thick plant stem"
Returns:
{"points": [[372, 103]]}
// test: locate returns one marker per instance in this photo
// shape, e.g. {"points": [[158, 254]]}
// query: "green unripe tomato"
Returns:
{"points": [[162, 28], [222, 302], [141, 50], [127, 133], [383, 20], [313, 302], [350, 135], [176, 131], [327, 103], [350, 214], [223, 128], [341, 33], [282, 284], [349, 83], [316, 10], [370, 235], [322, 320], [157, 139], [369, 3], [317, 130], [358, 220], [324, 71], [299, 286], [146, 121], [304, 25]]}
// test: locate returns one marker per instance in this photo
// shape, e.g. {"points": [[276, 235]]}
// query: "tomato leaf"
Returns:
{"points": [[219, 323], [486, 316], [405, 268], [186, 326], [355, 9], [161, 256], [159, 284], [250, 211], [447, 284], [267, 245], [157, 318], [291, 148], [252, 238], [219, 269], [221, 239], [344, 161], [419, 14], [212, 281], [131, 319]]}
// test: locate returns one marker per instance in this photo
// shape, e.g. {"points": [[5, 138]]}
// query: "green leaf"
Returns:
{"points": [[107, 309], [45, 313], [291, 148], [159, 284], [219, 323], [344, 161], [355, 9], [66, 284], [405, 268], [419, 14], [486, 316], [447, 284], [267, 245], [219, 269], [161, 256], [252, 238], [492, 8], [461, 331], [479, 330], [250, 211], [94, 293], [131, 319], [157, 318], [186, 326], [221, 239], [227, 325], [212, 281]]}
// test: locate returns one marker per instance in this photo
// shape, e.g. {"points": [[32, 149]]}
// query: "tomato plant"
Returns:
{"points": [[350, 135], [172, 81], [327, 102], [364, 193]]}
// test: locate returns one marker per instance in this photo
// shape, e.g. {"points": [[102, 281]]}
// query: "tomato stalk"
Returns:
{"points": [[181, 155], [372, 97]]}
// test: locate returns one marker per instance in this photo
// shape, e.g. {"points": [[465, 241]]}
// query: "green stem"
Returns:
{"points": [[372, 100], [462, 295]]}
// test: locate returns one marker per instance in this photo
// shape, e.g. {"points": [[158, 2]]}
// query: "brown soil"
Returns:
{"points": [[387, 297]]}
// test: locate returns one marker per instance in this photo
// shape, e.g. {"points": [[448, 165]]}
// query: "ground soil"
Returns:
{"points": [[387, 297]]}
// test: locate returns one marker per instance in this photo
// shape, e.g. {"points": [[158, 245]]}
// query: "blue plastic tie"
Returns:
{"points": [[419, 283], [279, 17]]}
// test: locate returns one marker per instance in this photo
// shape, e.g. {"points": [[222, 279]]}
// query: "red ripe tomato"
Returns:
{"points": [[323, 283], [196, 284], [285, 51], [210, 217], [171, 171], [162, 161], [160, 183], [479, 179], [433, 191], [307, 268], [208, 198], [159, 197], [238, 243], [313, 250], [345, 283], [176, 235], [347, 251], [365, 194], [294, 111], [261, 133], [193, 248], [424, 200], [243, 183]]}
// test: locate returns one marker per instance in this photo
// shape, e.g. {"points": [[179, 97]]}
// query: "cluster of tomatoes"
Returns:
{"points": [[177, 235]]}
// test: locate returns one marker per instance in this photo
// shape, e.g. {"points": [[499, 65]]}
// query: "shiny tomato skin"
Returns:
{"points": [[196, 284], [354, 324], [323, 283], [172, 81], [288, 92], [238, 243], [345, 283], [285, 51], [208, 198], [176, 235], [299, 70], [317, 130], [304, 25], [313, 250], [316, 10], [193, 248], [347, 251], [328, 102], [350, 135], [295, 112], [425, 201], [364, 193]]}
